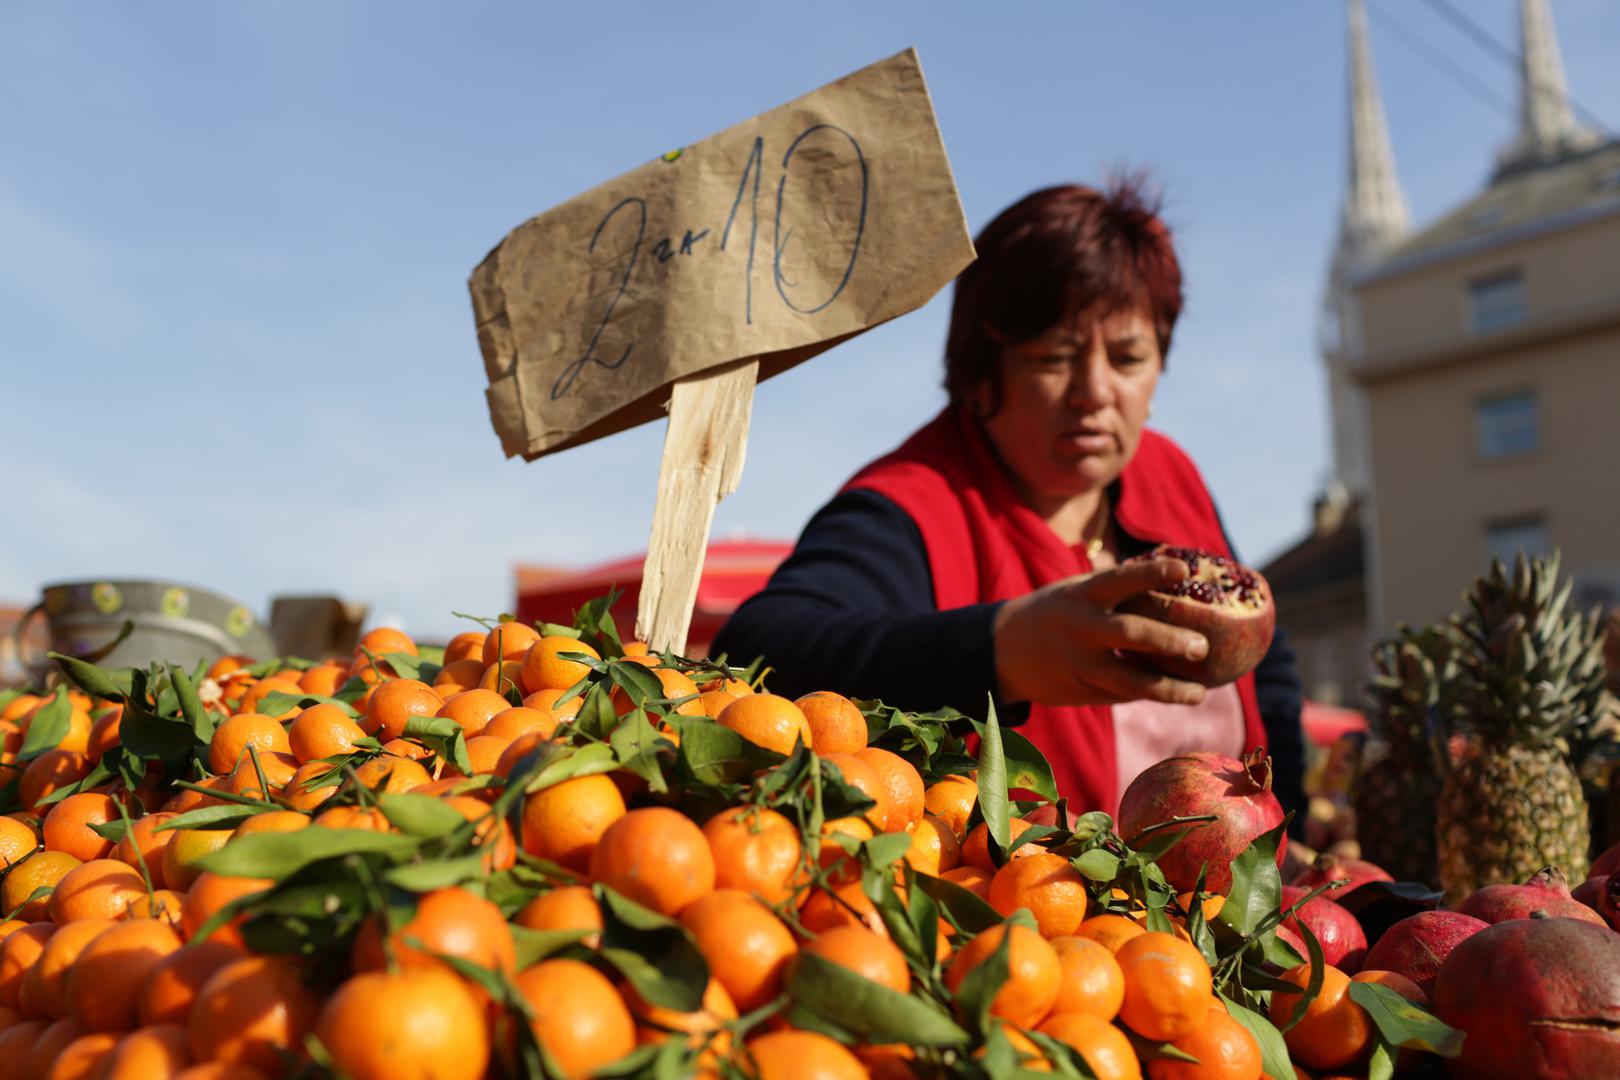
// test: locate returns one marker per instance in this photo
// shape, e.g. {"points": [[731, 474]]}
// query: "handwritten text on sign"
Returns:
{"points": [[774, 239], [633, 210]]}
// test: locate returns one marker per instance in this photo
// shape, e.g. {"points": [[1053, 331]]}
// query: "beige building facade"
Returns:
{"points": [[1492, 383], [1473, 370]]}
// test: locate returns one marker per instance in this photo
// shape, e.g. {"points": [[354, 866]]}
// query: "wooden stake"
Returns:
{"points": [[702, 464]]}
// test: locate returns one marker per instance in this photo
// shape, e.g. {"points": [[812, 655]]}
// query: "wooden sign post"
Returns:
{"points": [[686, 281]]}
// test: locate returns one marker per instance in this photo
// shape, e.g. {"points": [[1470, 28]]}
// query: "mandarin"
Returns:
{"points": [[106, 979], [67, 825], [1034, 974], [394, 703], [150, 1053], [563, 823], [768, 721], [322, 731], [543, 667], [567, 907], [747, 947], [1334, 1031], [934, 848], [436, 1027], [208, 896], [42, 870], [253, 1012], [657, 857], [802, 1055], [231, 739], [171, 986], [1167, 986], [1103, 1047], [1092, 981], [576, 1015], [1047, 886], [98, 889], [869, 955], [756, 850]]}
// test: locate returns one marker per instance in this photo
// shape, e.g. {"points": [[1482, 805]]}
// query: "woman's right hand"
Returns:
{"points": [[1061, 644]]}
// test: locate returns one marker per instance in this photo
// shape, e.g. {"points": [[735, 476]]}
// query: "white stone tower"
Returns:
{"points": [[1373, 221], [1547, 126]]}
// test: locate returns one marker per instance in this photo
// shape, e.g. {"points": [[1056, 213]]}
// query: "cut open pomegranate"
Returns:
{"points": [[1223, 600]]}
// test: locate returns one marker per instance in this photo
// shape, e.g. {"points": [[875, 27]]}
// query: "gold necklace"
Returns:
{"points": [[1095, 544]]}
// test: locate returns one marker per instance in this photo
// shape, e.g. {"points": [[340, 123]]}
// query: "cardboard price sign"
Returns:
{"points": [[689, 278], [773, 239]]}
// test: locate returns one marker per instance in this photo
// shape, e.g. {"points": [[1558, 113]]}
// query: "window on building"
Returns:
{"points": [[1505, 539], [1507, 426], [1496, 302]]}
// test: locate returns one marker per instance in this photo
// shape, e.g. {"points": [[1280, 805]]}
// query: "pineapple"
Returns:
{"points": [[1524, 699], [1399, 783]]}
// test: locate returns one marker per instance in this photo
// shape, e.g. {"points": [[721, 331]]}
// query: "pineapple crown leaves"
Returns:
{"points": [[1529, 669], [1409, 672]]}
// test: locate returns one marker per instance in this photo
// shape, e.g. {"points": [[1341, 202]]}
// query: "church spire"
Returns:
{"points": [[1374, 211], [1547, 126], [1372, 222]]}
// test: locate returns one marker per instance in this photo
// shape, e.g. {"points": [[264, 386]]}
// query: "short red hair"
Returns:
{"points": [[1054, 256]]}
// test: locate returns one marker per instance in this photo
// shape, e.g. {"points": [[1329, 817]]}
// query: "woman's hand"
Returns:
{"points": [[1057, 645]]}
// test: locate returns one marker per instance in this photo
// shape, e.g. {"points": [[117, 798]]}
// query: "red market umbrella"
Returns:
{"points": [[733, 570]]}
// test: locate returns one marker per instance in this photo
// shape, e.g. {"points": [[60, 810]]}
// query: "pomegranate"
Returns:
{"points": [[1602, 895], [1606, 863], [1237, 792], [1226, 602], [1329, 867], [1590, 892], [1538, 999], [1344, 945], [1545, 891], [1418, 944]]}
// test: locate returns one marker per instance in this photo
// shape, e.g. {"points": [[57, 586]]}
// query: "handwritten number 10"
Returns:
{"points": [[748, 185], [752, 170]]}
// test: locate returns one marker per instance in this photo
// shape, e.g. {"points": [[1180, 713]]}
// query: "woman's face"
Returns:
{"points": [[1074, 401]]}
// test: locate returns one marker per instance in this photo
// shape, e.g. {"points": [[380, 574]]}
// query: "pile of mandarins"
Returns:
{"points": [[316, 875]]}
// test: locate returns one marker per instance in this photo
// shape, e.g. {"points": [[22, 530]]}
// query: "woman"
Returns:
{"points": [[982, 558]]}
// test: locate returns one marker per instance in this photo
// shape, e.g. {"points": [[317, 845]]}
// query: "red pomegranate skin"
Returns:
{"points": [[1344, 944], [1546, 891], [1237, 792], [1329, 868], [1538, 999], [1238, 637], [1418, 944], [1606, 863]]}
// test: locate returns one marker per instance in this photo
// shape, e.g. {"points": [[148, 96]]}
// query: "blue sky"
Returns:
{"points": [[236, 347]]}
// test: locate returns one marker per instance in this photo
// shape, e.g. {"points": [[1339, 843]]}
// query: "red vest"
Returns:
{"points": [[985, 544]]}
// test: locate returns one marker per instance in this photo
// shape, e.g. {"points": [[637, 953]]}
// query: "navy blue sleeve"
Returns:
{"points": [[1281, 698], [852, 609]]}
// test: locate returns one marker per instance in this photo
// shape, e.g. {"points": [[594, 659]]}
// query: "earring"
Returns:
{"points": [[1150, 411]]}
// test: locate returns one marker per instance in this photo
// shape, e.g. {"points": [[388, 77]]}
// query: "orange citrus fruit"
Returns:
{"points": [[1104, 1047], [1034, 974], [747, 947], [564, 822], [576, 1015], [1167, 986], [836, 725], [1047, 886], [766, 720], [1334, 1032], [755, 850], [436, 1027]]}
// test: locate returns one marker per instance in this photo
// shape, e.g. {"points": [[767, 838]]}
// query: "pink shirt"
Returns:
{"points": [[1147, 732]]}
